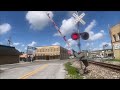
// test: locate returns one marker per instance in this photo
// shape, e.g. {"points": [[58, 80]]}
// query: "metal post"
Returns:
{"points": [[27, 53], [104, 50], [79, 41]]}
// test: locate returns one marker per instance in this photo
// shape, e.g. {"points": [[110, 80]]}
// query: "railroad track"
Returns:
{"points": [[111, 66]]}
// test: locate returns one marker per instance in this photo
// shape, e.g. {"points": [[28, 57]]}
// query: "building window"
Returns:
{"points": [[114, 37], [119, 36], [38, 50]]}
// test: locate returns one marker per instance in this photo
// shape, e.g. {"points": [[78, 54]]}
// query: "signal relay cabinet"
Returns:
{"points": [[82, 55]]}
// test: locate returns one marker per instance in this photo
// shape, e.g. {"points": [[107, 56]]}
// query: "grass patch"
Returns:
{"points": [[73, 72], [118, 60]]}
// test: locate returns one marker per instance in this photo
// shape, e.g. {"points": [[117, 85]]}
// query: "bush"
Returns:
{"points": [[118, 60], [72, 71]]}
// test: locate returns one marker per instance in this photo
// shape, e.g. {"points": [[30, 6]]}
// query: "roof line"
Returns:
{"points": [[47, 46], [6, 46]]}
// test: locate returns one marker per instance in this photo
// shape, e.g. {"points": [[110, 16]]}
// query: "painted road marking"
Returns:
{"points": [[33, 72]]}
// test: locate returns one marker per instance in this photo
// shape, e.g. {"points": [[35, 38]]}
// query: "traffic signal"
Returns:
{"points": [[70, 52], [75, 36], [84, 35]]}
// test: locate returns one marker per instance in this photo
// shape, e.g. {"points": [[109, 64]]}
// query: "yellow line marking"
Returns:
{"points": [[33, 72]]}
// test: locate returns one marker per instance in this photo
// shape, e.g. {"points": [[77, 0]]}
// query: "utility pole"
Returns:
{"points": [[79, 41], [111, 38], [104, 50], [27, 53]]}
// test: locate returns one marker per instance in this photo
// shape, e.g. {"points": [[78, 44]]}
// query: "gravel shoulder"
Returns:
{"points": [[98, 72]]}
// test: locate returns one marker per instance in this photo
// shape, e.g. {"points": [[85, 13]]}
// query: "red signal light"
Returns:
{"points": [[75, 36], [69, 52]]}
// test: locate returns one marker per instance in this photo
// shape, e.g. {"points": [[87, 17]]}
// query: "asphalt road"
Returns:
{"points": [[34, 70]]}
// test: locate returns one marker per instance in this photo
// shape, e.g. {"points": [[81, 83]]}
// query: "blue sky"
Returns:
{"points": [[35, 29]]}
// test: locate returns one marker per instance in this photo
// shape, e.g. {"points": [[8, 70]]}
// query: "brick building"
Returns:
{"points": [[8, 55], [51, 52], [115, 36]]}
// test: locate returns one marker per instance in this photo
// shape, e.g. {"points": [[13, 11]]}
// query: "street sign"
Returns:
{"points": [[33, 48], [79, 18], [105, 45]]}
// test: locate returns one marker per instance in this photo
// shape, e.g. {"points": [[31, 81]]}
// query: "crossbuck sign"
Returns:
{"points": [[79, 18]]}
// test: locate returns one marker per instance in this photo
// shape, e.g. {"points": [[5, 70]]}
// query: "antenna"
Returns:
{"points": [[9, 41]]}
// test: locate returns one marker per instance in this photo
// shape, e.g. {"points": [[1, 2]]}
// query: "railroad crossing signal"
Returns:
{"points": [[79, 18], [76, 36], [84, 35]]}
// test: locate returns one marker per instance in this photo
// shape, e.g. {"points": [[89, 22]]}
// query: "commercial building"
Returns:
{"points": [[115, 36], [101, 53], [51, 52], [8, 55], [23, 57]]}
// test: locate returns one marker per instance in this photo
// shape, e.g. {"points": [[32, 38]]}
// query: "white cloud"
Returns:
{"points": [[87, 44], [96, 36], [72, 43], [90, 26], [94, 49], [1, 43], [4, 28], [101, 46], [103, 43], [25, 48], [102, 31], [56, 34], [22, 45], [19, 50], [67, 27], [16, 44], [33, 43], [92, 43], [56, 43], [38, 19]]}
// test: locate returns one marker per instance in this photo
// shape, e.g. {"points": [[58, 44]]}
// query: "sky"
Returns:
{"points": [[33, 28]]}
